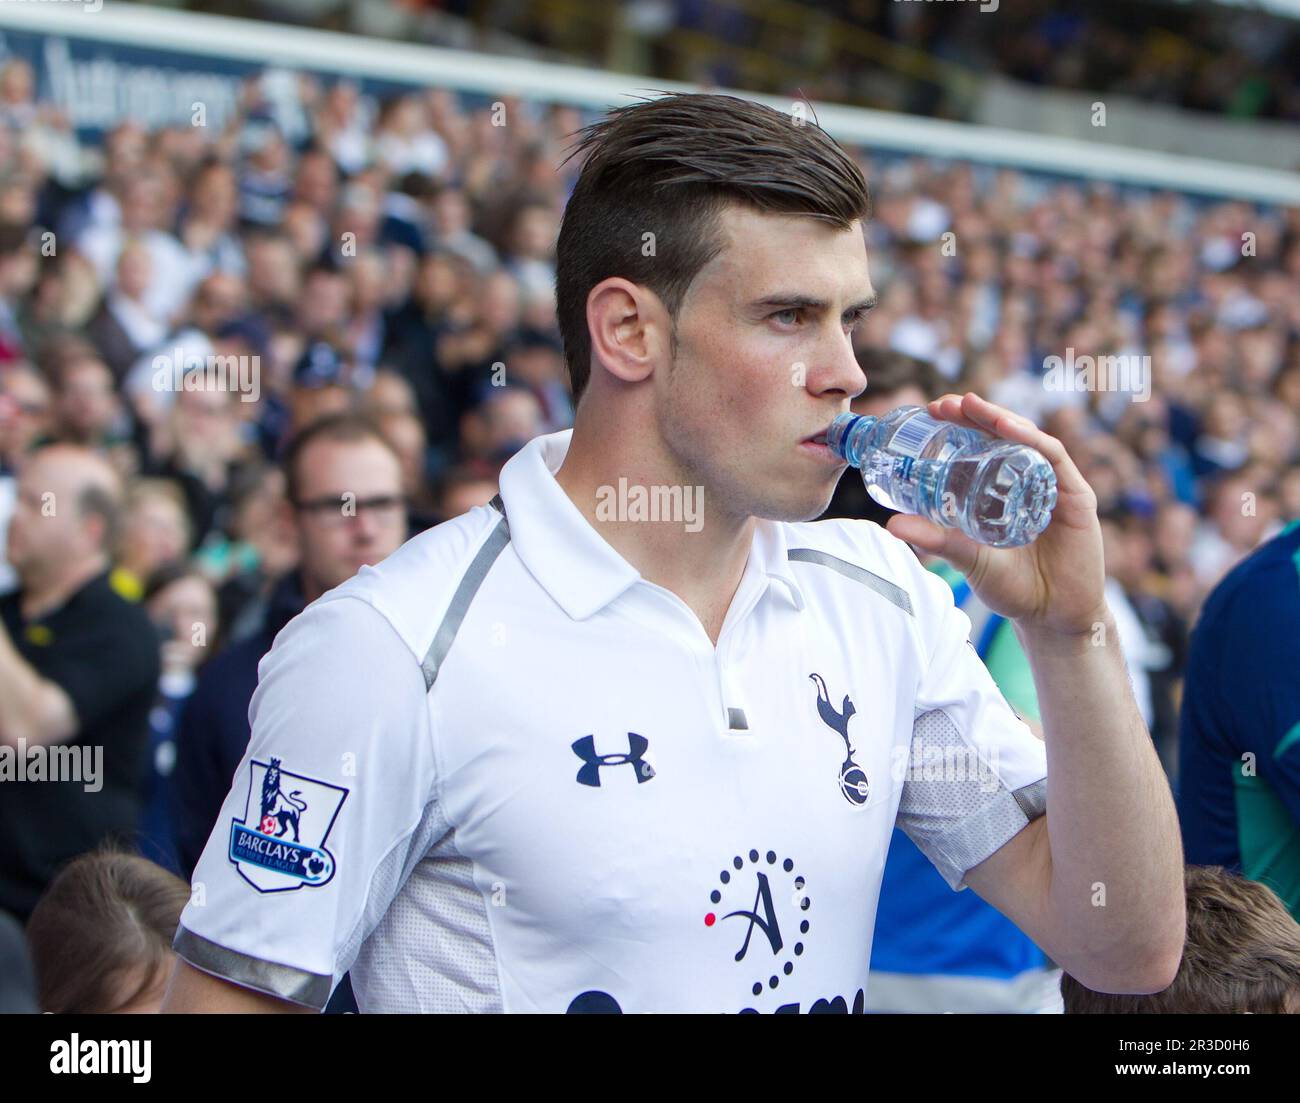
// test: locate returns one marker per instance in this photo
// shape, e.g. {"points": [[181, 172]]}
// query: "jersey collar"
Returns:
{"points": [[573, 562]]}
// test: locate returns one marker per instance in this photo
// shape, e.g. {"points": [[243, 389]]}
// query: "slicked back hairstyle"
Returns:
{"points": [[668, 167]]}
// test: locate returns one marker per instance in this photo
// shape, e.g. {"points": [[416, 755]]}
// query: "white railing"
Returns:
{"points": [[329, 52]]}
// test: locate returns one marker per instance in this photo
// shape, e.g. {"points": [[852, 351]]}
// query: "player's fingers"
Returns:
{"points": [[1001, 422], [948, 408]]}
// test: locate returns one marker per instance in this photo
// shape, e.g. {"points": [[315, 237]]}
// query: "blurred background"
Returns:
{"points": [[362, 200]]}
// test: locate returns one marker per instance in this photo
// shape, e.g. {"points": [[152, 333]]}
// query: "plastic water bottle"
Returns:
{"points": [[997, 492]]}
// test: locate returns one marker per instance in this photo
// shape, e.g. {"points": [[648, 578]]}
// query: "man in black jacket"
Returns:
{"points": [[79, 666]]}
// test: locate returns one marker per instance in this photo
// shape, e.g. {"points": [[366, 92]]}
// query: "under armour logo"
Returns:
{"points": [[589, 772]]}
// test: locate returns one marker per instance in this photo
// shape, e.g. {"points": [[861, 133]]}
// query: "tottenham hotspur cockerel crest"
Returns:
{"points": [[853, 779]]}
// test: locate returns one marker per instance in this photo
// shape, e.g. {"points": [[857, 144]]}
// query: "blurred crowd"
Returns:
{"points": [[1215, 58], [1219, 58], [993, 280], [381, 286], [237, 365]]}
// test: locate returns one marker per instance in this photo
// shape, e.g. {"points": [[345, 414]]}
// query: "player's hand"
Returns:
{"points": [[1057, 582]]}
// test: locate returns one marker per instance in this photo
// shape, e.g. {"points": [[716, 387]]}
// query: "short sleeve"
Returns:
{"points": [[976, 774], [331, 807]]}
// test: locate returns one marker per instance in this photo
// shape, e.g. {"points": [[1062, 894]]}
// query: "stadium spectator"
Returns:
{"points": [[535, 360], [316, 182], [183, 607], [357, 222], [365, 332], [454, 233], [101, 935], [253, 550], [530, 252], [265, 181], [403, 140], [1141, 654], [391, 393], [172, 273], [307, 230], [324, 381], [405, 432], [274, 273], [341, 128], [1242, 956], [124, 327], [204, 449], [25, 406], [1239, 741], [413, 335], [155, 531], [334, 465], [461, 489], [493, 431], [208, 227], [18, 269], [57, 683], [124, 147], [86, 407], [24, 419]]}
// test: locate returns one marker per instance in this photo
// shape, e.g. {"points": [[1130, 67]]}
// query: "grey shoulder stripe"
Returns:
{"points": [[469, 584], [1032, 798], [284, 981], [497, 504], [882, 586]]}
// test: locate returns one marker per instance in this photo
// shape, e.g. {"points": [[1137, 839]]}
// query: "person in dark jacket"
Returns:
{"points": [[79, 666]]}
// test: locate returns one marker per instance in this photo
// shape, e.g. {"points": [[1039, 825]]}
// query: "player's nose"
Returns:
{"points": [[838, 370]]}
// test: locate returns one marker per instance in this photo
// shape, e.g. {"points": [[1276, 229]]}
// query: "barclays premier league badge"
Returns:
{"points": [[279, 845]]}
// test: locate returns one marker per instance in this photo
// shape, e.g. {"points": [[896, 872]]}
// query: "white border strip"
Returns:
{"points": [[380, 59]]}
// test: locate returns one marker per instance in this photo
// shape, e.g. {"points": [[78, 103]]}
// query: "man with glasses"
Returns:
{"points": [[345, 503]]}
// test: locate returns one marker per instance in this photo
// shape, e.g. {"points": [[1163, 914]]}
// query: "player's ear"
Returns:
{"points": [[629, 328]]}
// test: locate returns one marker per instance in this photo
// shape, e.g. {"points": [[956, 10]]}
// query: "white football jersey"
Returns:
{"points": [[500, 771]]}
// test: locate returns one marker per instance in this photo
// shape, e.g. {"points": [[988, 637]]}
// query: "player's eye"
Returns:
{"points": [[780, 316]]}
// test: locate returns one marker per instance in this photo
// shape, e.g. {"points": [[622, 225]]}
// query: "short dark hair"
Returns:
{"points": [[1242, 954], [347, 427], [668, 166], [169, 573], [454, 478]]}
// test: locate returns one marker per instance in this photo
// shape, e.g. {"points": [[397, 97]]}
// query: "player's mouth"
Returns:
{"points": [[815, 444]]}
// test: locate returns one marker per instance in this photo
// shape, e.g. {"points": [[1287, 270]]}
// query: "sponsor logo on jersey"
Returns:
{"points": [[761, 893], [760, 914], [595, 1002], [279, 845]]}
